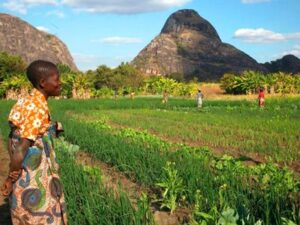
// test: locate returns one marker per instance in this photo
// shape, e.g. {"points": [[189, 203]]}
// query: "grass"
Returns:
{"points": [[226, 126]]}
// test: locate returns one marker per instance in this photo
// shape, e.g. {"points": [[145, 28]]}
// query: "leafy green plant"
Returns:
{"points": [[172, 186], [228, 217], [287, 221]]}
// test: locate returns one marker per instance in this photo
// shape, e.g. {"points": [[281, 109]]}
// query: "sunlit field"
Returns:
{"points": [[229, 159]]}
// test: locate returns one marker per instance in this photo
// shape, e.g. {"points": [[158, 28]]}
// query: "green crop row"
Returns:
{"points": [[264, 192], [88, 201]]}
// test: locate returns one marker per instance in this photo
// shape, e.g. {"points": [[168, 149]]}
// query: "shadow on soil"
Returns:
{"points": [[5, 214]]}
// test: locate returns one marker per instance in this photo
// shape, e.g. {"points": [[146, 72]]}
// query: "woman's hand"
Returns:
{"points": [[7, 187], [14, 175]]}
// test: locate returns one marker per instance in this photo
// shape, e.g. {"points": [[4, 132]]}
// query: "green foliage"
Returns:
{"points": [[103, 92], [172, 186], [250, 81], [228, 217], [89, 201], [101, 76], [10, 65], [67, 80], [15, 83], [231, 193], [74, 81], [63, 68], [102, 82], [228, 83], [130, 76], [159, 84], [125, 77]]}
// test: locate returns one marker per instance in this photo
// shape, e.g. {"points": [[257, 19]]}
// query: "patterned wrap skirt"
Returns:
{"points": [[37, 197]]}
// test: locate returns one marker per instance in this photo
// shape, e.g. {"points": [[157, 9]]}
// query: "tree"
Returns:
{"points": [[11, 65], [131, 78], [101, 76], [159, 84], [227, 83], [67, 80], [63, 68]]}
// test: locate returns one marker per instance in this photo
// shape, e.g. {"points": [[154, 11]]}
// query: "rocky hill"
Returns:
{"points": [[189, 44], [288, 64], [20, 38]]}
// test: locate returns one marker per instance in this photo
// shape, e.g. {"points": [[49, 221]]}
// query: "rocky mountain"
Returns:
{"points": [[288, 64], [189, 44], [17, 37]]}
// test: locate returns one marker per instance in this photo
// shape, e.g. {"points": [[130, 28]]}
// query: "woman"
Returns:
{"points": [[261, 98], [37, 196], [199, 98]]}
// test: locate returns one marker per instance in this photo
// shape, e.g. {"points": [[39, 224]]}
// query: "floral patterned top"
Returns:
{"points": [[31, 115], [37, 197]]}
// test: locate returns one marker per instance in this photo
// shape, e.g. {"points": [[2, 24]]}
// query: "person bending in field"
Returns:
{"points": [[33, 184], [199, 99], [261, 98]]}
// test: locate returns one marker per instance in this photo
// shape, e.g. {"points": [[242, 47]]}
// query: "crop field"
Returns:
{"points": [[226, 163]]}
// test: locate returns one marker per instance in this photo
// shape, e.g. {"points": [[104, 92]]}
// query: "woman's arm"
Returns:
{"points": [[16, 159], [19, 153]]}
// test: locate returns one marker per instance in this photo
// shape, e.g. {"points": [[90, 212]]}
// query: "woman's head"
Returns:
{"points": [[44, 76]]}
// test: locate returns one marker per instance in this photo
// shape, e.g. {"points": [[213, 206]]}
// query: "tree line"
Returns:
{"points": [[101, 82], [250, 82], [127, 80]]}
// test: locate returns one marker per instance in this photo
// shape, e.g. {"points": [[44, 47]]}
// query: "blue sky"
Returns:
{"points": [[113, 31]]}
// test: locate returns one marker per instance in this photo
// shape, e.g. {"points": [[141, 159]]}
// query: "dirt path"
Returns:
{"points": [[4, 207], [112, 178]]}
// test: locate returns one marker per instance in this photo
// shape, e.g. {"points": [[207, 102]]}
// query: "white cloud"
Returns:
{"points": [[45, 29], [119, 40], [262, 35], [22, 6], [254, 1], [97, 6], [294, 51], [123, 6], [86, 61], [57, 13]]}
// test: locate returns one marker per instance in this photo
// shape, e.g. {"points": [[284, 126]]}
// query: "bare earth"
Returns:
{"points": [[4, 207]]}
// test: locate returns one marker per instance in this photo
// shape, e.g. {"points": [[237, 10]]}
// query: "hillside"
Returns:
{"points": [[20, 38], [190, 45]]}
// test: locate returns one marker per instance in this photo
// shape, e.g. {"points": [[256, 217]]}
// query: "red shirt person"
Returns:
{"points": [[261, 98]]}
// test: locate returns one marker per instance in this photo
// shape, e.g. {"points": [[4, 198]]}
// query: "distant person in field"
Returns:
{"points": [[165, 97], [33, 183], [261, 98], [132, 94], [200, 97]]}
